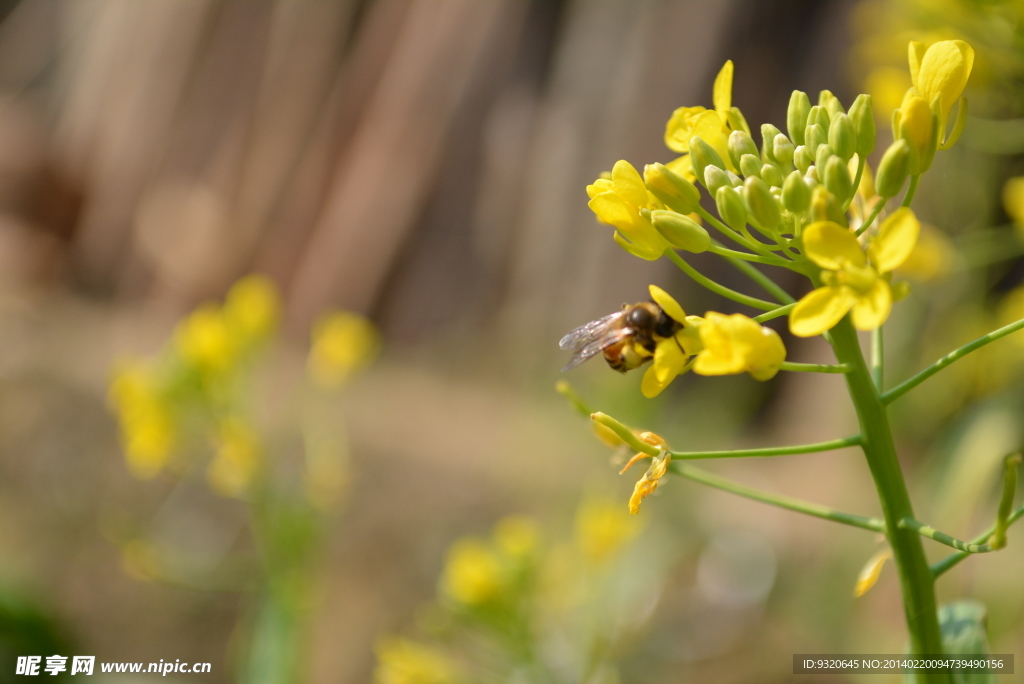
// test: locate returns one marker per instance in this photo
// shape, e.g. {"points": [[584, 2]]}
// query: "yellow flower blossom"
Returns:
{"points": [[342, 343], [940, 72], [871, 571], [252, 308], [516, 535], [205, 340], [148, 431], [738, 344], [617, 201], [671, 354], [853, 280], [602, 528], [237, 461], [473, 574], [403, 661], [712, 125]]}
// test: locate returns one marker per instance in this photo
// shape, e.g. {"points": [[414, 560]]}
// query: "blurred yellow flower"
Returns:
{"points": [[617, 201], [602, 529], [403, 661], [473, 574], [853, 280], [252, 308], [517, 535], [738, 344], [932, 258], [205, 340], [887, 86], [343, 342], [237, 461], [326, 477], [147, 424]]}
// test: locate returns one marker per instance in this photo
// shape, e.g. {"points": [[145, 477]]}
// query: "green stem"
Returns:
{"points": [[911, 191], [856, 182], [880, 452], [718, 249], [955, 355], [830, 445], [814, 367], [949, 562], [715, 287], [877, 354], [725, 230], [879, 206], [816, 510], [769, 285], [943, 538], [1006, 500], [775, 313]]}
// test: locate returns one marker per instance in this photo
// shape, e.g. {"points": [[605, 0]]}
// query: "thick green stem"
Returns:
{"points": [[915, 576]]}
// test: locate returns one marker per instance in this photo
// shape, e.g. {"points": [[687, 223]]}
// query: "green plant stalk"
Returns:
{"points": [[879, 205], [787, 450], [813, 367], [775, 313], [722, 290], [952, 560], [908, 551], [769, 285]]}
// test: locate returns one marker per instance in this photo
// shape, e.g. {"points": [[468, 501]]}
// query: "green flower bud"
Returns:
{"points": [[796, 196], [715, 178], [768, 133], [814, 137], [772, 175], [734, 180], [740, 143], [783, 149], [763, 205], [864, 122], [731, 207], [803, 158], [750, 165], [796, 116], [842, 136], [812, 175], [673, 190], [681, 231], [837, 179], [819, 115], [703, 155], [893, 169], [821, 158], [830, 103]]}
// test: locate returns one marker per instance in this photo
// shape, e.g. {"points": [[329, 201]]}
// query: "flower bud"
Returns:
{"points": [[673, 190], [763, 205], [750, 165], [681, 231], [893, 169], [731, 207], [715, 178], [864, 123], [768, 134], [796, 116], [740, 143], [917, 124], [796, 196], [842, 136], [803, 158], [830, 103], [703, 155], [812, 176], [783, 150], [821, 158], [771, 175], [819, 115], [837, 179], [814, 137], [824, 207]]}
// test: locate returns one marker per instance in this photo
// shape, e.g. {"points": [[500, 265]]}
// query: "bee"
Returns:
{"points": [[627, 338]]}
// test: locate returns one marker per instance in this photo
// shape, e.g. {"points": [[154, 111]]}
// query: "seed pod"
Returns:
{"points": [[673, 190], [893, 169], [796, 196], [740, 143], [763, 205], [681, 231], [842, 136], [703, 155], [731, 207], [796, 116]]}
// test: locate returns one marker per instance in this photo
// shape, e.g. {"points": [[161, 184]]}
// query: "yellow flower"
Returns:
{"points": [[473, 574], [602, 528], [617, 201], [403, 661], [713, 125], [671, 354], [853, 280], [252, 308], [342, 343], [940, 71], [237, 461], [516, 535], [738, 344], [646, 485], [147, 421], [205, 340]]}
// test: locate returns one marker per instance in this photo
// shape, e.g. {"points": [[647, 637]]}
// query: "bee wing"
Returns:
{"points": [[589, 339]]}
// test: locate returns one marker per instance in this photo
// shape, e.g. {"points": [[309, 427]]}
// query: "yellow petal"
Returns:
{"points": [[651, 386], [830, 246], [943, 73], [689, 336], [679, 128], [628, 184], [644, 251], [683, 166], [871, 310], [820, 310], [870, 572], [668, 303], [612, 209], [722, 92], [766, 355], [669, 359], [915, 55], [916, 123], [895, 241], [598, 186], [711, 128]]}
